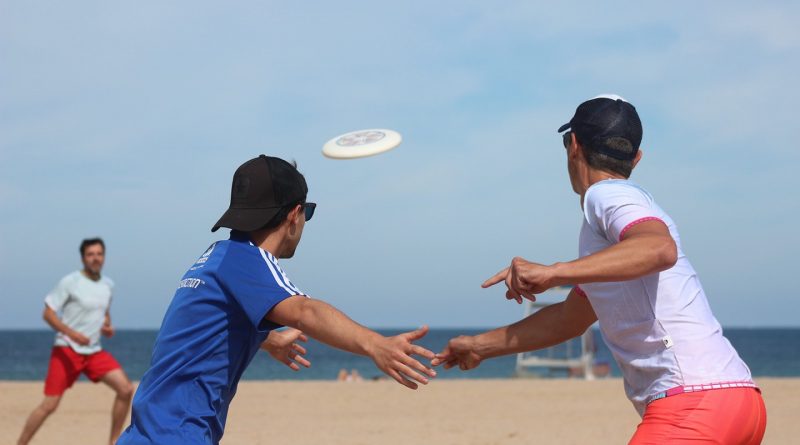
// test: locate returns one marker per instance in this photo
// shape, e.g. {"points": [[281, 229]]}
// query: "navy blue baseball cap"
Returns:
{"points": [[607, 124]]}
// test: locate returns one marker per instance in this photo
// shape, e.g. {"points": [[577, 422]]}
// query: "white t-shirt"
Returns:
{"points": [[83, 303], [659, 327]]}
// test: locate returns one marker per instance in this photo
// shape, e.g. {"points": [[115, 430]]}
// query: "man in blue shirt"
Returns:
{"points": [[227, 306]]}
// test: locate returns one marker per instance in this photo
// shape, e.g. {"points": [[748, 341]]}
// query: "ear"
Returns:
{"points": [[296, 213], [638, 157], [574, 148]]}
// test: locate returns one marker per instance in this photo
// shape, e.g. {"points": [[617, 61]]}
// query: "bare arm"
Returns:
{"points": [[550, 326], [107, 329], [646, 248], [327, 324], [51, 317]]}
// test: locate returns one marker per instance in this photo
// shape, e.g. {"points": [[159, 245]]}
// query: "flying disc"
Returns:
{"points": [[361, 143]]}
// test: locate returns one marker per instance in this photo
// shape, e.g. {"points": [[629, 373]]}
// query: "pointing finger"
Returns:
{"points": [[496, 278]]}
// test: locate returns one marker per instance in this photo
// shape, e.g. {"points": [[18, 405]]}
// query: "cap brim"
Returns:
{"points": [[564, 127], [245, 220]]}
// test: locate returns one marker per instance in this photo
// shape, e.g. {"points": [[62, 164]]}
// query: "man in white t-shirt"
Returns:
{"points": [[683, 377], [83, 299]]}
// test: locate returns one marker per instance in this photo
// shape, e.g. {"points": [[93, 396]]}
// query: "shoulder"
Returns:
{"points": [[613, 193], [105, 279], [70, 278], [229, 252], [233, 257]]}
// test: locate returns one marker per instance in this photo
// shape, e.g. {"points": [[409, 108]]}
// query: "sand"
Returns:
{"points": [[454, 412]]}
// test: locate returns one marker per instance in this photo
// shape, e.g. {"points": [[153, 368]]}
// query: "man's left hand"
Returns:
{"points": [[107, 330], [282, 346]]}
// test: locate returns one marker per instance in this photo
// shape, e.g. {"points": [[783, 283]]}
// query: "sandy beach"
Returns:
{"points": [[445, 412]]}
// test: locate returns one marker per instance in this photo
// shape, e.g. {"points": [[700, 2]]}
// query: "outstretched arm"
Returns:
{"points": [[327, 324], [646, 248], [550, 326]]}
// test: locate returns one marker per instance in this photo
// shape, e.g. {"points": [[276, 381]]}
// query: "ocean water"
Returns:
{"points": [[24, 355]]}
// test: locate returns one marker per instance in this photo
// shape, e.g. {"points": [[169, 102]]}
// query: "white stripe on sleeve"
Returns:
{"points": [[275, 274], [283, 274]]}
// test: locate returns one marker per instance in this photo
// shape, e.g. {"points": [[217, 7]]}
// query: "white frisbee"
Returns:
{"points": [[361, 143]]}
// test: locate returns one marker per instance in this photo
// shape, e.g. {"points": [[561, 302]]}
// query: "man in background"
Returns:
{"points": [[82, 299]]}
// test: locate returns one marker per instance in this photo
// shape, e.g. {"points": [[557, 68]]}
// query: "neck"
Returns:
{"points": [[90, 275], [271, 240], [589, 176]]}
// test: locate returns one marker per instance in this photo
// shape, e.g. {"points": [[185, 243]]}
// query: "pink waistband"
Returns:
{"points": [[704, 387]]}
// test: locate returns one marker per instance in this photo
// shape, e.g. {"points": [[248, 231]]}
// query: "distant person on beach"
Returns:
{"points": [[83, 299], [230, 302], [680, 372], [352, 376]]}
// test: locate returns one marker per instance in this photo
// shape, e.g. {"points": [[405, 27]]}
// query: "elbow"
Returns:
{"points": [[301, 317], [667, 254]]}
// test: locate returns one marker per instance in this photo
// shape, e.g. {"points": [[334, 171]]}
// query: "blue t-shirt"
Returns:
{"points": [[212, 330]]}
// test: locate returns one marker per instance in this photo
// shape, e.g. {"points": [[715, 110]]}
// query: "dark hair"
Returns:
{"points": [[281, 216], [604, 162], [90, 242]]}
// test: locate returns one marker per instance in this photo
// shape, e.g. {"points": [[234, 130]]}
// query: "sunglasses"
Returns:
{"points": [[567, 138], [309, 208]]}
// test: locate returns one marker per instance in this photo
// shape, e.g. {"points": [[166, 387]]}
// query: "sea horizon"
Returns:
{"points": [[24, 355]]}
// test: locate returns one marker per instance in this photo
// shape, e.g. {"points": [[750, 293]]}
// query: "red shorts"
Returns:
{"points": [[67, 365], [717, 416]]}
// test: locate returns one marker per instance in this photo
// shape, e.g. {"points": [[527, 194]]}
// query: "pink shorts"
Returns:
{"points": [[717, 416], [67, 365]]}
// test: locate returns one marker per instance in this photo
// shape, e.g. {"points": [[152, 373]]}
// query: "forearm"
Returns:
{"points": [[545, 328], [630, 259], [327, 324], [52, 319]]}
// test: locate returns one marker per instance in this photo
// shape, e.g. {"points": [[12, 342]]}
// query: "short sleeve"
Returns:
{"points": [[611, 209], [59, 295], [255, 282]]}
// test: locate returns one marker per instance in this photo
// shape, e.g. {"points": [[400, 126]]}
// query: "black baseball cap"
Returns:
{"points": [[261, 187], [607, 124]]}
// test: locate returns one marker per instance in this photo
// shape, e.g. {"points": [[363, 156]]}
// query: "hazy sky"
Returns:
{"points": [[127, 121]]}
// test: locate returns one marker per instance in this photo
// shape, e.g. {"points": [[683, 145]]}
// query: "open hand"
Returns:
{"points": [[392, 355], [460, 351], [282, 346]]}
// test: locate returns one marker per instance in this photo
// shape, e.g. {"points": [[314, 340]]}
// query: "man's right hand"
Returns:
{"points": [[78, 338], [392, 355], [460, 351]]}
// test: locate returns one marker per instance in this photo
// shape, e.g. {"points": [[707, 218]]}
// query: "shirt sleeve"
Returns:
{"points": [[255, 282], [59, 295], [614, 208]]}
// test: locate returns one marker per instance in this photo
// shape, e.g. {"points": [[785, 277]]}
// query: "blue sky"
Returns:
{"points": [[127, 121]]}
